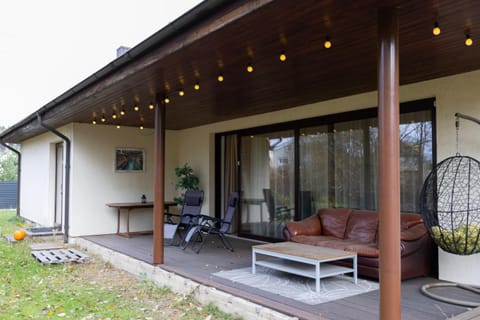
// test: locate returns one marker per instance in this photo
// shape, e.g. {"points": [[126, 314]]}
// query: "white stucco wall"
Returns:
{"points": [[37, 180], [94, 181]]}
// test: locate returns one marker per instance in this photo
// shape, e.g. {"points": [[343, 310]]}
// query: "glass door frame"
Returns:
{"points": [[427, 104]]}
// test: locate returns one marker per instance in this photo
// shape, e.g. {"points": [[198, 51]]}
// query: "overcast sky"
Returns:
{"points": [[48, 46]]}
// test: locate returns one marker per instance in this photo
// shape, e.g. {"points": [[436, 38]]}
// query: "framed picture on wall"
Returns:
{"points": [[129, 160]]}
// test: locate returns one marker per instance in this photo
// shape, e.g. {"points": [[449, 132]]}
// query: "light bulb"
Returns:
{"points": [[181, 93], [94, 121], [118, 126], [151, 106], [250, 68], [220, 78], [328, 43], [283, 57], [436, 29], [196, 86], [166, 100], [103, 118], [136, 107], [122, 112], [468, 41]]}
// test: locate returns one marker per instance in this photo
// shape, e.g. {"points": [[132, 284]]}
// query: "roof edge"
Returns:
{"points": [[188, 19]]}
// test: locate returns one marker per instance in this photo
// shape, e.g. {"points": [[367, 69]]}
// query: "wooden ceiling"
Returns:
{"points": [[237, 33]]}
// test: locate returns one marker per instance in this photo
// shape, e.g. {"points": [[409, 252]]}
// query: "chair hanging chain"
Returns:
{"points": [[457, 125], [457, 129]]}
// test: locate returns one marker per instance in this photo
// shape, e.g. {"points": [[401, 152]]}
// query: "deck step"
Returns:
{"points": [[59, 256]]}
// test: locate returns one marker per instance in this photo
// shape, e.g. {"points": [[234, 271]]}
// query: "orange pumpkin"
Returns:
{"points": [[19, 234]]}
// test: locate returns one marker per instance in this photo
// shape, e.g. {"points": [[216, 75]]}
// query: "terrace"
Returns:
{"points": [[213, 258]]}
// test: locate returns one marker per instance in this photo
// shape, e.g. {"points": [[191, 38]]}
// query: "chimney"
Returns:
{"points": [[122, 50]]}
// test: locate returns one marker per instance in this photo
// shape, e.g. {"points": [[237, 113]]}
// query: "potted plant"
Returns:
{"points": [[187, 179]]}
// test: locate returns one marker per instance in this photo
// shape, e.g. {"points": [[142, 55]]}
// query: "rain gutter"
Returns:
{"points": [[67, 174]]}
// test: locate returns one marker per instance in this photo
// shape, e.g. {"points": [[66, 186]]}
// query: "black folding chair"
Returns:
{"points": [[189, 216], [211, 225]]}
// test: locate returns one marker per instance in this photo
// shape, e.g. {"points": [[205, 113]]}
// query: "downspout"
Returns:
{"points": [[19, 170], [67, 173]]}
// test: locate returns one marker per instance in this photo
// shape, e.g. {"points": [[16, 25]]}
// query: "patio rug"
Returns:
{"points": [[299, 288]]}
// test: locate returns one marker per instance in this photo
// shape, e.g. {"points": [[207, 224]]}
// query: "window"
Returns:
{"points": [[339, 168]]}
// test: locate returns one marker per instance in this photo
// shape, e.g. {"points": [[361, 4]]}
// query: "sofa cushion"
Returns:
{"points": [[334, 221], [364, 250], [362, 225], [413, 233], [312, 240], [309, 227], [408, 220], [339, 244]]}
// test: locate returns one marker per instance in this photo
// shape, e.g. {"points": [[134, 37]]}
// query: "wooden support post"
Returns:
{"points": [[159, 184], [389, 165]]}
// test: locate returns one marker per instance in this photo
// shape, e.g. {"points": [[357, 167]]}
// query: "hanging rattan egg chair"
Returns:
{"points": [[450, 201], [450, 205]]}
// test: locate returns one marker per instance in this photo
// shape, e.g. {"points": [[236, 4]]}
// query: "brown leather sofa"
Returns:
{"points": [[357, 230]]}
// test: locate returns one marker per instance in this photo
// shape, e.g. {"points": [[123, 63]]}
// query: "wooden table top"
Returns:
{"points": [[304, 250], [133, 205]]}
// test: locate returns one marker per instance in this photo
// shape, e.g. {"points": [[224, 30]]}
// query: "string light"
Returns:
{"points": [[141, 127], [166, 100], [136, 107], [250, 68], [118, 126], [122, 112], [151, 106], [103, 119], [220, 78], [94, 121], [436, 29], [468, 40], [181, 93], [283, 57], [196, 86], [114, 115], [328, 43]]}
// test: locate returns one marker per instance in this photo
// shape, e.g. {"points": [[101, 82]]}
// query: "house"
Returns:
{"points": [[287, 91]]}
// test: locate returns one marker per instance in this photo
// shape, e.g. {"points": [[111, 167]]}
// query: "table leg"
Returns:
{"points": [[128, 222], [355, 269], [317, 276], [118, 220], [254, 261]]}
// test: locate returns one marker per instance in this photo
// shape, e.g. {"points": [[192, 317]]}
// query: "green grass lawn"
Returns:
{"points": [[91, 290]]}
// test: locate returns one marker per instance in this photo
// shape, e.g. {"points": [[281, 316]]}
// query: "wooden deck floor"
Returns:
{"points": [[214, 258]]}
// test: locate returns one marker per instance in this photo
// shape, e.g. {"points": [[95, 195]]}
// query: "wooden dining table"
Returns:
{"points": [[129, 207]]}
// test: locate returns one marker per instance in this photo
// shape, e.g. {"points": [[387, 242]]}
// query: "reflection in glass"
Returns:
{"points": [[267, 183]]}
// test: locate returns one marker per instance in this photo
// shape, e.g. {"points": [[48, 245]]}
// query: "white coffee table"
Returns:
{"points": [[297, 258]]}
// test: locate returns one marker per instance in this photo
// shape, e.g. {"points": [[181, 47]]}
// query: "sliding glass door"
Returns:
{"points": [[288, 171], [267, 178]]}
